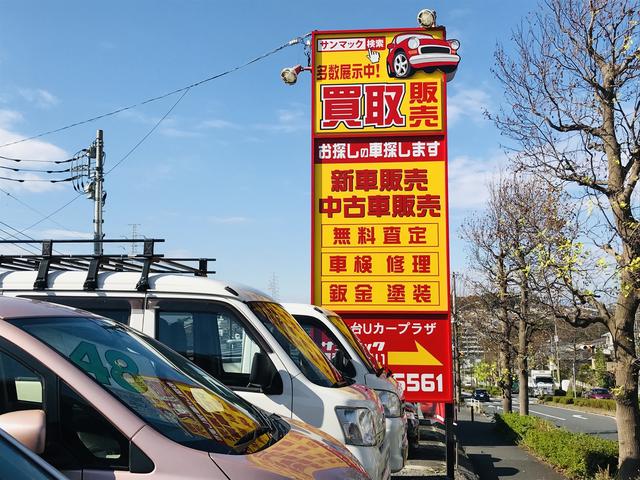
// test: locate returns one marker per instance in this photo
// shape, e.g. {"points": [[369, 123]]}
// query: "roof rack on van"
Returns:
{"points": [[147, 262]]}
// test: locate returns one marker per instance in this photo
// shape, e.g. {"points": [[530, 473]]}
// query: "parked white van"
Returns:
{"points": [[353, 360], [239, 335]]}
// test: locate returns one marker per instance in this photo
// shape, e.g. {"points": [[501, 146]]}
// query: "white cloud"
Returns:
{"points": [[62, 234], [467, 103], [469, 178], [9, 117], [33, 149], [215, 123], [40, 97], [178, 132], [289, 120], [228, 220]]}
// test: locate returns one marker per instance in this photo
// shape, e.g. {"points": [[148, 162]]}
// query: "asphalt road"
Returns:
{"points": [[573, 420]]}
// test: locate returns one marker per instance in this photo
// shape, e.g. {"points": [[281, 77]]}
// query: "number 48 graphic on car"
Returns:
{"points": [[86, 356]]}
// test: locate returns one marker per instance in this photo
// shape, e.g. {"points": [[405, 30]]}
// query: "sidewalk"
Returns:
{"points": [[428, 460], [493, 457]]}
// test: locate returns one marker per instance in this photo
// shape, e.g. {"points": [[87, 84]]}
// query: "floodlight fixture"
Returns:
{"points": [[289, 75], [427, 18]]}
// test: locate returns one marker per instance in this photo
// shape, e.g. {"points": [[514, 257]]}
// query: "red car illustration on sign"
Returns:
{"points": [[409, 52]]}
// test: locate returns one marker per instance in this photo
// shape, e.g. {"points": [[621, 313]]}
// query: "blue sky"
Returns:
{"points": [[228, 173]]}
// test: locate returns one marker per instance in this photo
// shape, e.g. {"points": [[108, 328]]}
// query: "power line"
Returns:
{"points": [[22, 180], [28, 250], [24, 204], [184, 91], [37, 170], [47, 217], [157, 124], [160, 97], [67, 160], [133, 149]]}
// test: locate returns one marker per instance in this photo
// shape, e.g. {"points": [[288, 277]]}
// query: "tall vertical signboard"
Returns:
{"points": [[380, 203]]}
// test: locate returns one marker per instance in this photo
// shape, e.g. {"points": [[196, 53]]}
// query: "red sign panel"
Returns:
{"points": [[416, 350]]}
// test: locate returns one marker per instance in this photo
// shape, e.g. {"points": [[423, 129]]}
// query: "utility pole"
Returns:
{"points": [[98, 201]]}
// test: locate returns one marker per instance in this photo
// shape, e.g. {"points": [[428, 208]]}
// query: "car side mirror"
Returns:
{"points": [[343, 364], [26, 426], [264, 375]]}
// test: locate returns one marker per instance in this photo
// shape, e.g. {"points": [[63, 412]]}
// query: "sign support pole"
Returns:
{"points": [[450, 440]]}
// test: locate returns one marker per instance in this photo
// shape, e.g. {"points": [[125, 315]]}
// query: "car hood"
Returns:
{"points": [[303, 453]]}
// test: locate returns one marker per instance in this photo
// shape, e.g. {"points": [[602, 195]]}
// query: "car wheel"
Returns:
{"points": [[401, 65], [390, 71]]}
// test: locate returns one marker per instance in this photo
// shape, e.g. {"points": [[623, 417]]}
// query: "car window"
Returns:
{"points": [[169, 393], [211, 336], [297, 344], [321, 335], [21, 388], [365, 355], [94, 441], [16, 464], [118, 309]]}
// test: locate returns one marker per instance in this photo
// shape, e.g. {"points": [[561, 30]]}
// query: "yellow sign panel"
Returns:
{"points": [[375, 264], [391, 81], [382, 231]]}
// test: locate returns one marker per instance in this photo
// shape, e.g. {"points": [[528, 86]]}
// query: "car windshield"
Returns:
{"points": [[481, 391], [298, 345], [600, 390], [544, 380], [370, 362], [167, 391]]}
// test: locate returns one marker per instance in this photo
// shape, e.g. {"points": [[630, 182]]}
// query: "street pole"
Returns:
{"points": [[97, 196], [456, 347]]}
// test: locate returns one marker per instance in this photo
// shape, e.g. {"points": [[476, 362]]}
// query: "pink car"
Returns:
{"points": [[99, 401], [409, 52], [599, 393]]}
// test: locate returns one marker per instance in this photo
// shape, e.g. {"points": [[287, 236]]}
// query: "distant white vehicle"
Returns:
{"points": [[541, 383]]}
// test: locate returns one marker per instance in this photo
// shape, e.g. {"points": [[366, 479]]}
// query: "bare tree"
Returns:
{"points": [[487, 238], [573, 96]]}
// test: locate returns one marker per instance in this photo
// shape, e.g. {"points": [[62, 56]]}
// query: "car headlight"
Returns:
{"points": [[413, 43], [455, 44], [358, 426], [390, 402]]}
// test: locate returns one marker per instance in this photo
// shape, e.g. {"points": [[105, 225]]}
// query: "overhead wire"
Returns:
{"points": [[184, 91], [26, 205], [133, 149], [29, 250], [11, 159], [44, 180], [164, 95]]}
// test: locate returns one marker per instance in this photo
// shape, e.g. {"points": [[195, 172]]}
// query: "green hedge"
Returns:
{"points": [[609, 405], [579, 455]]}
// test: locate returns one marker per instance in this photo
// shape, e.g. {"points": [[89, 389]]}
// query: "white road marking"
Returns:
{"points": [[547, 415], [580, 417]]}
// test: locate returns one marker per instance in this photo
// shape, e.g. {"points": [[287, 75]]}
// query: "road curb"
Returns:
{"points": [[464, 468]]}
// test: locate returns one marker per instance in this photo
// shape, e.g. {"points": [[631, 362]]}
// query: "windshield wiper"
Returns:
{"points": [[248, 438]]}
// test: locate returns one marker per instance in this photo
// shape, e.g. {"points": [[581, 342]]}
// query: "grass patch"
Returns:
{"points": [[579, 455]]}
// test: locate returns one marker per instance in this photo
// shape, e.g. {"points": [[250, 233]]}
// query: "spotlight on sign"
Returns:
{"points": [[289, 75], [427, 18]]}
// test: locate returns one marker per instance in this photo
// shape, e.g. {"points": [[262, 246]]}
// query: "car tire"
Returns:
{"points": [[390, 71], [401, 66]]}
